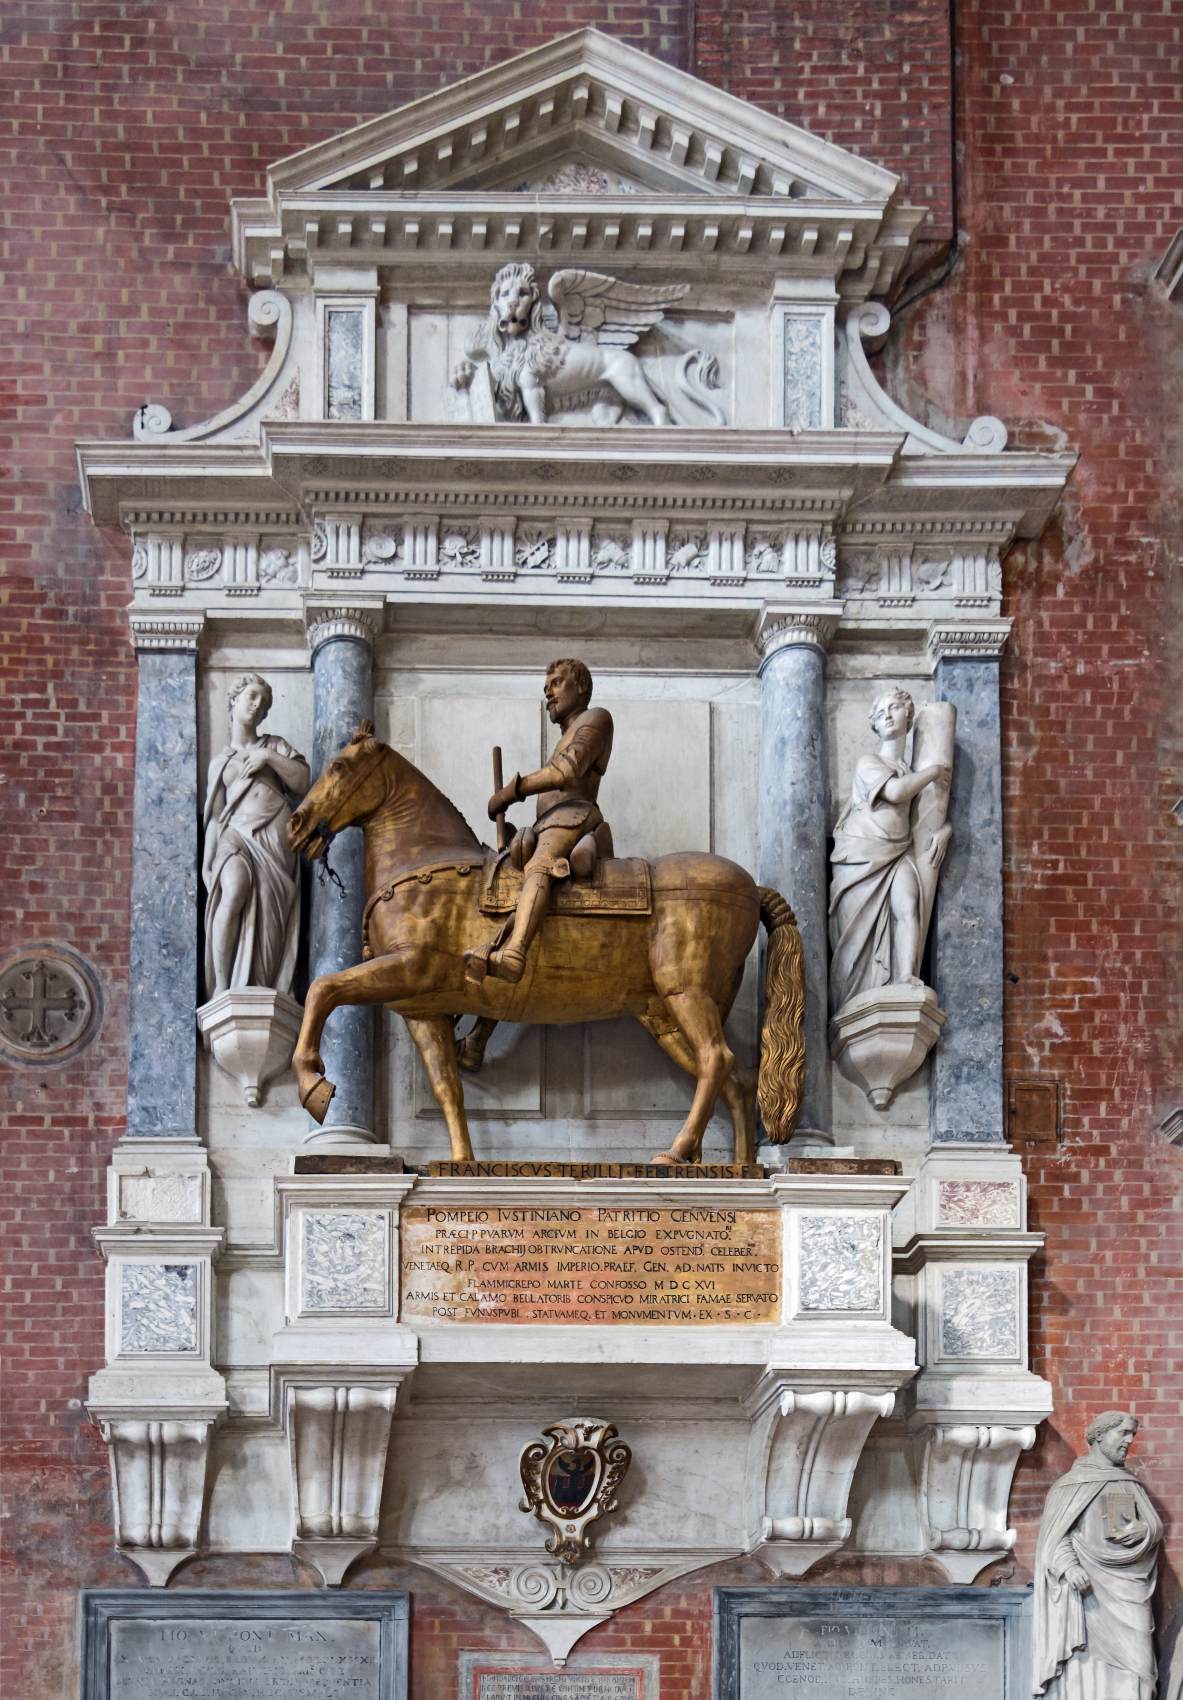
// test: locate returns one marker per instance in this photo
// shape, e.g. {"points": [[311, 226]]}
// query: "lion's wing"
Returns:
{"points": [[596, 308]]}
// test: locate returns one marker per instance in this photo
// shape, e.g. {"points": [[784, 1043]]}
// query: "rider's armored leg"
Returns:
{"points": [[509, 963]]}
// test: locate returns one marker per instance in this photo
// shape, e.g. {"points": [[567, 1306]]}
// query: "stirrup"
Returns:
{"points": [[507, 965]]}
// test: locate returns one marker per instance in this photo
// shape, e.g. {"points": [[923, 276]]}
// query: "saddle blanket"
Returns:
{"points": [[620, 885]]}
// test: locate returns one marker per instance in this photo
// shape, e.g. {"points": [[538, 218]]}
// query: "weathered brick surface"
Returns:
{"points": [[129, 128]]}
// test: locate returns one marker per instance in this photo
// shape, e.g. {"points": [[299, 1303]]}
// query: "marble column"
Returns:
{"points": [[965, 1082], [163, 989], [794, 811], [340, 640]]}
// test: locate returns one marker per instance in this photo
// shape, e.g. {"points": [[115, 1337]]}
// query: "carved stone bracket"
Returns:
{"points": [[338, 1437], [814, 1443], [158, 1477], [159, 1398], [251, 1033], [557, 1602], [966, 1470], [870, 321]]}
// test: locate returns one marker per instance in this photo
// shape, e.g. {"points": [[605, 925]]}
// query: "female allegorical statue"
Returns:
{"points": [[885, 862], [252, 914], [1095, 1571]]}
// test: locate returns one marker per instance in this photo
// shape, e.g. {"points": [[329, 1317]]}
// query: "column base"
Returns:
{"points": [[347, 1137]]}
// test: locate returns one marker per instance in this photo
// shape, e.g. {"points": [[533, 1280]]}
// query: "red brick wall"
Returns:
{"points": [[1072, 128], [131, 128]]}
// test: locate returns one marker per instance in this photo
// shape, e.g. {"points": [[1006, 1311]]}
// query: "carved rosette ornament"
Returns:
{"points": [[572, 1480]]}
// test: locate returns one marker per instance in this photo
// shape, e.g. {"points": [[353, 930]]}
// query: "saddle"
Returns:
{"points": [[620, 885]]}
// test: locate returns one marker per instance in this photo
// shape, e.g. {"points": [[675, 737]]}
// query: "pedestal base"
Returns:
{"points": [[251, 1033], [880, 1038]]}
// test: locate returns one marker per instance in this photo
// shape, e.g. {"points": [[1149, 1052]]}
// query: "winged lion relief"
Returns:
{"points": [[574, 352]]}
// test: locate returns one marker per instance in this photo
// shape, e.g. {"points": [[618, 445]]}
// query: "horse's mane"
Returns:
{"points": [[437, 813]]}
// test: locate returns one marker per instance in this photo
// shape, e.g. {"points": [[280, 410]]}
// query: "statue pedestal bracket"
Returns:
{"points": [[251, 1032], [880, 1038]]}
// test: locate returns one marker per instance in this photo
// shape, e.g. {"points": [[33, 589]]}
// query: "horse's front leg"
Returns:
{"points": [[437, 1046], [379, 981]]}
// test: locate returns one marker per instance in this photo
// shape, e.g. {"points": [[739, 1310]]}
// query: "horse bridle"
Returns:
{"points": [[322, 828]]}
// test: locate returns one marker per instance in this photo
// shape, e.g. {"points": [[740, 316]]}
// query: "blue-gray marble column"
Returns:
{"points": [[341, 643], [794, 812], [965, 1082], [163, 990]]}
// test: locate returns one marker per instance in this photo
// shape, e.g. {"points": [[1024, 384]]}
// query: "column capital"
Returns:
{"points": [[781, 625], [967, 640], [359, 619], [164, 631]]}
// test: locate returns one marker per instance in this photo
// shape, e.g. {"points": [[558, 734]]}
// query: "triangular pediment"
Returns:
{"points": [[583, 98]]}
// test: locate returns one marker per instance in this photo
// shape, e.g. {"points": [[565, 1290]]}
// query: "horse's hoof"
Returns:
{"points": [[469, 1057], [666, 1159], [318, 1098]]}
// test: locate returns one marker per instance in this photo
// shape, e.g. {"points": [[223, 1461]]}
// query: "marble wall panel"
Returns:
{"points": [[157, 1308]]}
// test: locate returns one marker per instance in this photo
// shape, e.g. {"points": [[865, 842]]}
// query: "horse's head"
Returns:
{"points": [[352, 786]]}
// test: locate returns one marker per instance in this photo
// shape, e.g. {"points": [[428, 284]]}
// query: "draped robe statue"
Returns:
{"points": [[889, 843], [251, 875], [1095, 1572]]}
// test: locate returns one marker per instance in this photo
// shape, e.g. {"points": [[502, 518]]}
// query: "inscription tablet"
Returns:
{"points": [[254, 1646], [590, 1264], [872, 1643], [607, 1676], [847, 1659]]}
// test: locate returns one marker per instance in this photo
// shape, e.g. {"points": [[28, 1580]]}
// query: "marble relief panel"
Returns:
{"points": [[344, 363], [345, 1260], [977, 1204], [160, 1198], [157, 1308], [841, 1262], [803, 372], [980, 1313]]}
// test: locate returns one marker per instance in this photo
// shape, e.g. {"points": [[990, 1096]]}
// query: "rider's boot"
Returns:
{"points": [[509, 963]]}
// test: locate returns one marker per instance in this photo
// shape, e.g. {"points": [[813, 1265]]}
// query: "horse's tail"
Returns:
{"points": [[782, 1039]]}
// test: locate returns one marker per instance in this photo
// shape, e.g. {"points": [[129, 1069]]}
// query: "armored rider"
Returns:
{"points": [[569, 833]]}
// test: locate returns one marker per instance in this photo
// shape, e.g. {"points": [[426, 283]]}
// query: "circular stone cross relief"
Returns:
{"points": [[48, 1005]]}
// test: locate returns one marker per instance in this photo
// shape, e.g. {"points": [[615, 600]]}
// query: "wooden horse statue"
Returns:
{"points": [[664, 941]]}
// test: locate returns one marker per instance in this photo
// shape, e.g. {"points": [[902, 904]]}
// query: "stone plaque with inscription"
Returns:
{"points": [[208, 1645], [607, 1676], [882, 1643], [590, 1264]]}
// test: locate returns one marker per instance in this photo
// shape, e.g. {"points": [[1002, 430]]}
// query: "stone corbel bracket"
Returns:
{"points": [[159, 1398], [338, 1436], [558, 1603], [870, 404], [962, 1249], [270, 316], [966, 1471], [813, 1439], [341, 1358]]}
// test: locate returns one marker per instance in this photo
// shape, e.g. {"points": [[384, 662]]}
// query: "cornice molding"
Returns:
{"points": [[179, 632], [979, 640]]}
